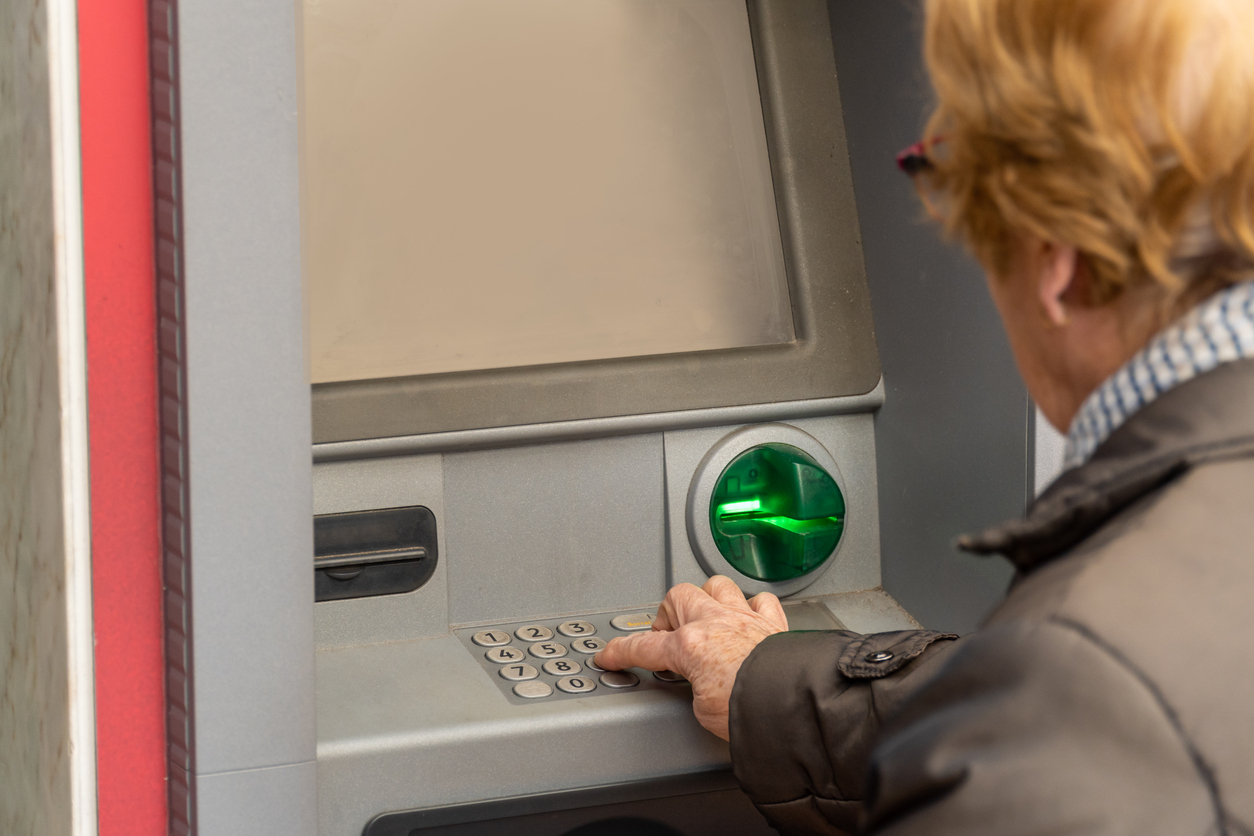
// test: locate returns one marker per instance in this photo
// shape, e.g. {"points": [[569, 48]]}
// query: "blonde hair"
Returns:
{"points": [[1124, 128]]}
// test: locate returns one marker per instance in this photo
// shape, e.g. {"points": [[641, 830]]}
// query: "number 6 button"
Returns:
{"points": [[576, 685], [588, 646], [548, 650]]}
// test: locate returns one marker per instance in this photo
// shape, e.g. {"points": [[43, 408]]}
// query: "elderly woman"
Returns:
{"points": [[1097, 156]]}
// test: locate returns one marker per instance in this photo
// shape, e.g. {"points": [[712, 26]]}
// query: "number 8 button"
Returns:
{"points": [[588, 646]]}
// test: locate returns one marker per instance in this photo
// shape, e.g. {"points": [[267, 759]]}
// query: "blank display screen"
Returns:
{"points": [[495, 183]]}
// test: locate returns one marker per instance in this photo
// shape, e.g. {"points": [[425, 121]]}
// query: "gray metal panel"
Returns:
{"points": [[247, 408], [515, 436], [257, 802], [418, 724], [554, 528], [384, 483], [951, 436], [834, 354], [851, 441]]}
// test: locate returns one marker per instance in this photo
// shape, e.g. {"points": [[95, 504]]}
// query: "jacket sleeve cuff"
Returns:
{"points": [[805, 714]]}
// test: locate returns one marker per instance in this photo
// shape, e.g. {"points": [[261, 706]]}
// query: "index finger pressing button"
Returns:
{"points": [[588, 646]]}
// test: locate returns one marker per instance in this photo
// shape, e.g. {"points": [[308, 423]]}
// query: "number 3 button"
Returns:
{"points": [[588, 646]]}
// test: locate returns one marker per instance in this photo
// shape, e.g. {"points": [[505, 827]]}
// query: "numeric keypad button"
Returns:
{"points": [[534, 633], [668, 676], [562, 667], [533, 690], [548, 650], [591, 662], [490, 638], [505, 655], [619, 679], [588, 646], [576, 685], [519, 673], [576, 629]]}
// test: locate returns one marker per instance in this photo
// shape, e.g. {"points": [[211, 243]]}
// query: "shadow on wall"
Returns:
{"points": [[952, 438]]}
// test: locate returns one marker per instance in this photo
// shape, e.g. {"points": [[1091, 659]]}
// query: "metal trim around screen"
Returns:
{"points": [[833, 354]]}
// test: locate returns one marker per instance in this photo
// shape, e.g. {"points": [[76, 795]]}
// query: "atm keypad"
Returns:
{"points": [[554, 659]]}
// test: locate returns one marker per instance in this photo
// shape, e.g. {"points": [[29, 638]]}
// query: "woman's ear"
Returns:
{"points": [[1057, 280]]}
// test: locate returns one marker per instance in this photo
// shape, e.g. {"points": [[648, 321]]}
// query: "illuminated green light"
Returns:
{"points": [[776, 514]]}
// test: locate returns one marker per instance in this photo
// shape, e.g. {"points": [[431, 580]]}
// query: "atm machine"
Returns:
{"points": [[579, 287]]}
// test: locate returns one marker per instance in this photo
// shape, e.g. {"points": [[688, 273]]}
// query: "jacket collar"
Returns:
{"points": [[1208, 418]]}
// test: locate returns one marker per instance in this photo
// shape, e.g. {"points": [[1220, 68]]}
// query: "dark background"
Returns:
{"points": [[953, 438]]}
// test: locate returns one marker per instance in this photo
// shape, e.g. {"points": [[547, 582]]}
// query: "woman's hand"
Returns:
{"points": [[703, 634]]}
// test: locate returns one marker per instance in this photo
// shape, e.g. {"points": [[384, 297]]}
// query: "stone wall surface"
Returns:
{"points": [[34, 697]]}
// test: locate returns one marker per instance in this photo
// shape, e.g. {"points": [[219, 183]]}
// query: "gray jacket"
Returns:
{"points": [[1112, 692]]}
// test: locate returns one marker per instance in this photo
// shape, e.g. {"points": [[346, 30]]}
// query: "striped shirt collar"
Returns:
{"points": [[1218, 331]]}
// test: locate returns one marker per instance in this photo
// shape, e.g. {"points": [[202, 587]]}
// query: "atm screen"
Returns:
{"points": [[493, 183]]}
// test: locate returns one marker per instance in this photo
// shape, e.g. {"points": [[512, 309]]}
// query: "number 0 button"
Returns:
{"points": [[576, 685], [505, 655], [588, 646], [519, 673], [548, 650]]}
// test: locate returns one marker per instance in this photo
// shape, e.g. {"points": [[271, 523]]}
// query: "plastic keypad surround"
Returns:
{"points": [[578, 660]]}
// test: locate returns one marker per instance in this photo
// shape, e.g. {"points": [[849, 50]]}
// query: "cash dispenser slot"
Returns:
{"points": [[380, 552]]}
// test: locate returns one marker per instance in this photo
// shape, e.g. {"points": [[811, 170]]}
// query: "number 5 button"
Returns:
{"points": [[548, 650], [588, 646]]}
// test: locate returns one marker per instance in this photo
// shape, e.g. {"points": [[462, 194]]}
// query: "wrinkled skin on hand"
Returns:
{"points": [[704, 634]]}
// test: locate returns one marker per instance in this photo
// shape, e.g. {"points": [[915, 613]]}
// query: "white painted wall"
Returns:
{"points": [[47, 745]]}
